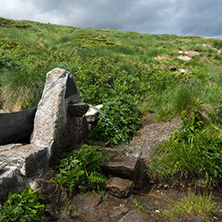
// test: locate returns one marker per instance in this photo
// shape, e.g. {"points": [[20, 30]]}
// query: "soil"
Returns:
{"points": [[143, 206]]}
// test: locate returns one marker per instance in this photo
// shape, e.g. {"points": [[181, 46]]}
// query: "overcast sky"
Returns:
{"points": [[181, 17]]}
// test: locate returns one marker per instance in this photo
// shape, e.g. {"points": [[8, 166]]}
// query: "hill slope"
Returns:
{"points": [[132, 73]]}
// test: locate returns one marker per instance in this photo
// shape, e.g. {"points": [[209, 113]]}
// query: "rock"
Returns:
{"points": [[28, 159], [86, 201], [83, 203], [16, 126], [183, 57], [58, 124], [189, 217], [119, 187], [93, 113], [123, 163], [137, 216], [3, 165], [8, 180], [192, 53], [55, 198], [78, 109]]}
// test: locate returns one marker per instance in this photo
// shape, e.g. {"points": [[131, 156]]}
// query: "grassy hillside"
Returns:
{"points": [[132, 73]]}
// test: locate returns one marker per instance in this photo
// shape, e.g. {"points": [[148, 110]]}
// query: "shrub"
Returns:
{"points": [[23, 207], [119, 122], [81, 171]]}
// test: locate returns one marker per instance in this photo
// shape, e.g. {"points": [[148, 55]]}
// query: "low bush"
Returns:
{"points": [[119, 122]]}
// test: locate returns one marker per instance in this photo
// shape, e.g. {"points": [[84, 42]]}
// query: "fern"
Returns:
{"points": [[81, 171]]}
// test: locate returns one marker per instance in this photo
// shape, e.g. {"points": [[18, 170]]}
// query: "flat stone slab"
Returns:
{"points": [[123, 163], [136, 215], [27, 158], [184, 57]]}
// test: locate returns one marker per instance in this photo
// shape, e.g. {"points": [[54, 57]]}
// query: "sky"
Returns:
{"points": [[181, 17]]}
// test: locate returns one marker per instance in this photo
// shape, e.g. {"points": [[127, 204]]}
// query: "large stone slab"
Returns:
{"points": [[16, 126], [28, 159], [123, 163], [56, 126]]}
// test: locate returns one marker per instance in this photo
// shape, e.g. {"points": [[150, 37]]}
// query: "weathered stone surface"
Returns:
{"points": [[29, 159], [59, 126], [3, 165], [55, 198], [93, 113], [119, 187], [137, 216], [78, 109], [54, 127], [8, 180], [86, 201], [123, 163], [16, 126], [189, 217]]}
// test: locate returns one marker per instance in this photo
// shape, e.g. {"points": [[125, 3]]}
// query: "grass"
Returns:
{"points": [[191, 203]]}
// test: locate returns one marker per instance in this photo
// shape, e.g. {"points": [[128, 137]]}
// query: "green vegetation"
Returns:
{"points": [[191, 203], [192, 152], [81, 171], [132, 74], [23, 207]]}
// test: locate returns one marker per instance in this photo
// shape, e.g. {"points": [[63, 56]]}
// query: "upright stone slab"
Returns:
{"points": [[55, 124]]}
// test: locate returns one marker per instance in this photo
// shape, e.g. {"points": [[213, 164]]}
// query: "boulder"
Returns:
{"points": [[16, 126], [119, 187], [123, 163], [59, 126], [137, 216], [59, 122]]}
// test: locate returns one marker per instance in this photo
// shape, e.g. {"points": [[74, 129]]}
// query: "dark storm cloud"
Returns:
{"points": [[184, 17], [198, 17]]}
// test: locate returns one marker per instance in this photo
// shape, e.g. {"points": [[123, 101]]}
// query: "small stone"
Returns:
{"points": [[119, 187]]}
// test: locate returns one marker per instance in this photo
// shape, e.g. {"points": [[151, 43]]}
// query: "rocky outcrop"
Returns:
{"points": [[59, 126], [55, 124]]}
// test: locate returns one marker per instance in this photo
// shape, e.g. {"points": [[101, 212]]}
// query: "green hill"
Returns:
{"points": [[132, 73]]}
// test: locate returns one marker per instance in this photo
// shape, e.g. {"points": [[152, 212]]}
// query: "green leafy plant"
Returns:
{"points": [[23, 206], [119, 122], [81, 171]]}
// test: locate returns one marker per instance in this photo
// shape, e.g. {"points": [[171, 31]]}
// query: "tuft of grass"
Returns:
{"points": [[192, 203]]}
